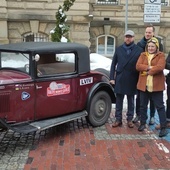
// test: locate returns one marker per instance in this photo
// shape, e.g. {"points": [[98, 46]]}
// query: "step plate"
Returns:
{"points": [[45, 124]]}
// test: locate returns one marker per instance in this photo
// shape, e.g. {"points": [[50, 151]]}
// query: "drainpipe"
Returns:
{"points": [[126, 16]]}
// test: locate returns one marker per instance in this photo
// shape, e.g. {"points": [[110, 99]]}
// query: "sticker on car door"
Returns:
{"points": [[55, 89]]}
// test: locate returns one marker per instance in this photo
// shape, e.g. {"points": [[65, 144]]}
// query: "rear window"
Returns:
{"points": [[53, 64]]}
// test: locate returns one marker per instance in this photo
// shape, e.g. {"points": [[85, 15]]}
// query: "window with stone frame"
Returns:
{"points": [[107, 2], [37, 37], [106, 45], [165, 2]]}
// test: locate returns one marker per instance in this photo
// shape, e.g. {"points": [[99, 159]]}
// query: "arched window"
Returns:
{"points": [[106, 45], [38, 37]]}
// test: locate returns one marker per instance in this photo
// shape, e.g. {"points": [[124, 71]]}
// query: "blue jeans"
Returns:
{"points": [[119, 107], [157, 98]]}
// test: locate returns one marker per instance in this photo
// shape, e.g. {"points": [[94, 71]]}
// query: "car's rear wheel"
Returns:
{"points": [[100, 109]]}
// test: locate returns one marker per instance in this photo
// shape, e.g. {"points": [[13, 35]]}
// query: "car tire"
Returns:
{"points": [[102, 70], [100, 109]]}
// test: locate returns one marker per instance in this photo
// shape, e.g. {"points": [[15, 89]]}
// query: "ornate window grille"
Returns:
{"points": [[38, 37], [107, 2]]}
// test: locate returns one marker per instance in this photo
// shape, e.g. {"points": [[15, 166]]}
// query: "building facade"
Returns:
{"points": [[99, 24]]}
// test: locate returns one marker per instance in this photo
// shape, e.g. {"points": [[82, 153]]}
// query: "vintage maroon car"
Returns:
{"points": [[43, 84]]}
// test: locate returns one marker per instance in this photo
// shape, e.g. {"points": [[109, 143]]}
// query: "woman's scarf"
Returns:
{"points": [[149, 82]]}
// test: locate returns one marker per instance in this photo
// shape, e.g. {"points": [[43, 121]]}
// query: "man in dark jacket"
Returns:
{"points": [[149, 33], [124, 76]]}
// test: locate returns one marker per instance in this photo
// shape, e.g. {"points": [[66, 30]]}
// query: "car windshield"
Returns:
{"points": [[14, 60]]}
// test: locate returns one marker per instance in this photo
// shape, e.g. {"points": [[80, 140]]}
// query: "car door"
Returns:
{"points": [[56, 89]]}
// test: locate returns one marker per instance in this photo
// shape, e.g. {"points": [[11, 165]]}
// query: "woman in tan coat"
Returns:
{"points": [[151, 83]]}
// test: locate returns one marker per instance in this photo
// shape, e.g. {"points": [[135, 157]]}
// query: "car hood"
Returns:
{"points": [[10, 76]]}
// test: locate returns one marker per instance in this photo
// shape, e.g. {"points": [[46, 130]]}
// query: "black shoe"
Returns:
{"points": [[136, 119], [141, 127], [163, 132]]}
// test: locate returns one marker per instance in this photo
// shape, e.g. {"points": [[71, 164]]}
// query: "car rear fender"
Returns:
{"points": [[101, 86]]}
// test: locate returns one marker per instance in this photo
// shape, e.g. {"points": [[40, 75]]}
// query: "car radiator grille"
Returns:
{"points": [[4, 102]]}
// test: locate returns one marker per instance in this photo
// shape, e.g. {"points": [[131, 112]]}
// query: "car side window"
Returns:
{"points": [[55, 64]]}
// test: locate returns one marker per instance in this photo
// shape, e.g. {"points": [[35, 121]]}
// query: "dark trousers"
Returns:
{"points": [[152, 106], [168, 104], [119, 107], [157, 98], [138, 103]]}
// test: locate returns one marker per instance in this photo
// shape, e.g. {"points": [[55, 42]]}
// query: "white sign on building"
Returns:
{"points": [[152, 11], [152, 1], [152, 18]]}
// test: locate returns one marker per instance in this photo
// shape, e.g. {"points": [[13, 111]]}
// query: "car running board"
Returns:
{"points": [[43, 124]]}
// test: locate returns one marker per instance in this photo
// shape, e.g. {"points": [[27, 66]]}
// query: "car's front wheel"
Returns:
{"points": [[100, 109]]}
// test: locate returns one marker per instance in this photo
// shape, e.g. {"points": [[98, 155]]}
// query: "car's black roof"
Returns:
{"points": [[42, 47]]}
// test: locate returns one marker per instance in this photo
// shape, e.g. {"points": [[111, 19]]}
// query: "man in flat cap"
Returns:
{"points": [[124, 77]]}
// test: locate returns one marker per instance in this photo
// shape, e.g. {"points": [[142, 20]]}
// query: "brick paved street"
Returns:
{"points": [[78, 146]]}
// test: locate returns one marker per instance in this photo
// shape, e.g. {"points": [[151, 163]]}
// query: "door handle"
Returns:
{"points": [[38, 87]]}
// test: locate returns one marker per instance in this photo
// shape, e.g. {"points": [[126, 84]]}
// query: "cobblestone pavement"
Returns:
{"points": [[78, 146]]}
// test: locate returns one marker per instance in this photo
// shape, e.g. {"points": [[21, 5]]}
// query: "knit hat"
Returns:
{"points": [[155, 41]]}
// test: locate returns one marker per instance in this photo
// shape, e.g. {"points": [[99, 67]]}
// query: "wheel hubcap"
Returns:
{"points": [[100, 108]]}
